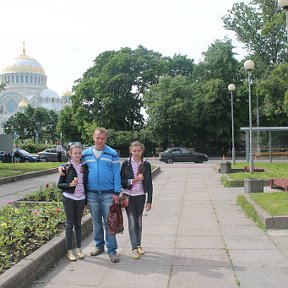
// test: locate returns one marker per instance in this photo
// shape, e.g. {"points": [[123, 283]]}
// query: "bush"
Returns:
{"points": [[46, 193], [32, 147]]}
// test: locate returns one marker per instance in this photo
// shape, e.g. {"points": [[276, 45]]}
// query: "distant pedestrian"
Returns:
{"points": [[16, 154], [60, 150], [136, 179], [74, 187]]}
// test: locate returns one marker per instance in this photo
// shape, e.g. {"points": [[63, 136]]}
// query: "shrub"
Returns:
{"points": [[46, 193]]}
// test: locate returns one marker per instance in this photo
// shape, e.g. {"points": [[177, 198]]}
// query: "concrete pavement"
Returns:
{"points": [[194, 236]]}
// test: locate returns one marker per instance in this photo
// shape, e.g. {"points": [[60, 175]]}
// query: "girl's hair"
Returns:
{"points": [[137, 143], [74, 147]]}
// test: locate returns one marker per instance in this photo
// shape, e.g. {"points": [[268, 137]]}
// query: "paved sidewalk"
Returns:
{"points": [[195, 236]]}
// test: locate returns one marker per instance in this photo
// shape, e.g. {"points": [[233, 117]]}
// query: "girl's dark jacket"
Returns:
{"points": [[70, 173], [127, 173]]}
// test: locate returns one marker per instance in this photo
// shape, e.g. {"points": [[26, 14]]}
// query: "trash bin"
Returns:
{"points": [[225, 168], [252, 185]]}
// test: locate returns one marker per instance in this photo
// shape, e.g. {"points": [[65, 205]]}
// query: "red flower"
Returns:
{"points": [[58, 210], [46, 185], [9, 202]]}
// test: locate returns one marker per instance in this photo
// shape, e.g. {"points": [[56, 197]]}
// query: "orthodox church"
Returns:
{"points": [[26, 84]]}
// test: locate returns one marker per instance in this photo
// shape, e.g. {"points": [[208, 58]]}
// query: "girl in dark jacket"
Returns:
{"points": [[74, 187], [136, 179]]}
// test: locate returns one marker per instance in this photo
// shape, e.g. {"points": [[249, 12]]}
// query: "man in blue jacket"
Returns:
{"points": [[104, 186]]}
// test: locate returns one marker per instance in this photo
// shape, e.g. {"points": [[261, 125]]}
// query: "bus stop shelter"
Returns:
{"points": [[261, 129]]}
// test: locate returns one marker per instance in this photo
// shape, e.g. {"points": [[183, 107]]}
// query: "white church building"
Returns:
{"points": [[26, 83]]}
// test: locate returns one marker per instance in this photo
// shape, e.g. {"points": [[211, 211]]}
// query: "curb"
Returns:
{"points": [[270, 222], [23, 273], [25, 176]]}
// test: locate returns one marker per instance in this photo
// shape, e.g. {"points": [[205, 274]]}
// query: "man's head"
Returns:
{"points": [[100, 137]]}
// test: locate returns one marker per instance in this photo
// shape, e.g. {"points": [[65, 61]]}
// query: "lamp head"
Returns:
{"points": [[231, 87], [283, 4], [249, 65]]}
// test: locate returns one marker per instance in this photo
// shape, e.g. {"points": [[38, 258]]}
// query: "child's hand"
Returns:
{"points": [[138, 178], [141, 177], [74, 182], [61, 170]]}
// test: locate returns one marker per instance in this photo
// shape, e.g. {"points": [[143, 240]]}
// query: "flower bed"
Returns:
{"points": [[25, 227]]}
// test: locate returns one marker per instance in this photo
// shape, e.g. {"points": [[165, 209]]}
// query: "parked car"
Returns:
{"points": [[23, 155], [50, 155], [182, 154]]}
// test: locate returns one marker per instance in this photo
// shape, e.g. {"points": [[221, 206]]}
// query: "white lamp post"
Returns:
{"points": [[231, 88], [249, 66], [284, 5]]}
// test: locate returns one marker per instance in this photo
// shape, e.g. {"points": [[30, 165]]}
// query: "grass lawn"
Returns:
{"points": [[275, 203], [272, 170], [12, 169]]}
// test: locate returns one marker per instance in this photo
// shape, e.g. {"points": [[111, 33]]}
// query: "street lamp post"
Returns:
{"points": [[249, 66], [231, 88], [284, 5]]}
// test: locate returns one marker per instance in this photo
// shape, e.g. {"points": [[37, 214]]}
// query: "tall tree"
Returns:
{"points": [[169, 110], [261, 27], [66, 127], [110, 93]]}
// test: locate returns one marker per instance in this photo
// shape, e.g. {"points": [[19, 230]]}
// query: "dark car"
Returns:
{"points": [[182, 154], [50, 155], [23, 155]]}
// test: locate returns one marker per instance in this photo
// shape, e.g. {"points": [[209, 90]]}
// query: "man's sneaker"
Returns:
{"points": [[135, 254], [80, 254], [96, 252], [71, 256], [140, 250], [114, 257]]}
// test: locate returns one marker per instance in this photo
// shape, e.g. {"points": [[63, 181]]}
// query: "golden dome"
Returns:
{"points": [[23, 64], [67, 93]]}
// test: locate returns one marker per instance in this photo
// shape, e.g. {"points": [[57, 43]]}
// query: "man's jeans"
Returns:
{"points": [[99, 203]]}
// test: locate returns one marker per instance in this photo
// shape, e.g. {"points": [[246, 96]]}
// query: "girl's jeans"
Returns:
{"points": [[73, 210], [134, 213]]}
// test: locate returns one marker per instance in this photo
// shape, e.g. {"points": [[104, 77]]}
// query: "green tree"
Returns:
{"points": [[66, 127], [180, 65], [110, 93], [273, 93], [169, 110], [260, 27], [2, 86], [37, 124]]}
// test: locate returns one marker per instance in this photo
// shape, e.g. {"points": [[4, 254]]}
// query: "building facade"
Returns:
{"points": [[26, 84]]}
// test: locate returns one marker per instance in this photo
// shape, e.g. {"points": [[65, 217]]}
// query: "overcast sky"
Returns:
{"points": [[65, 36]]}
